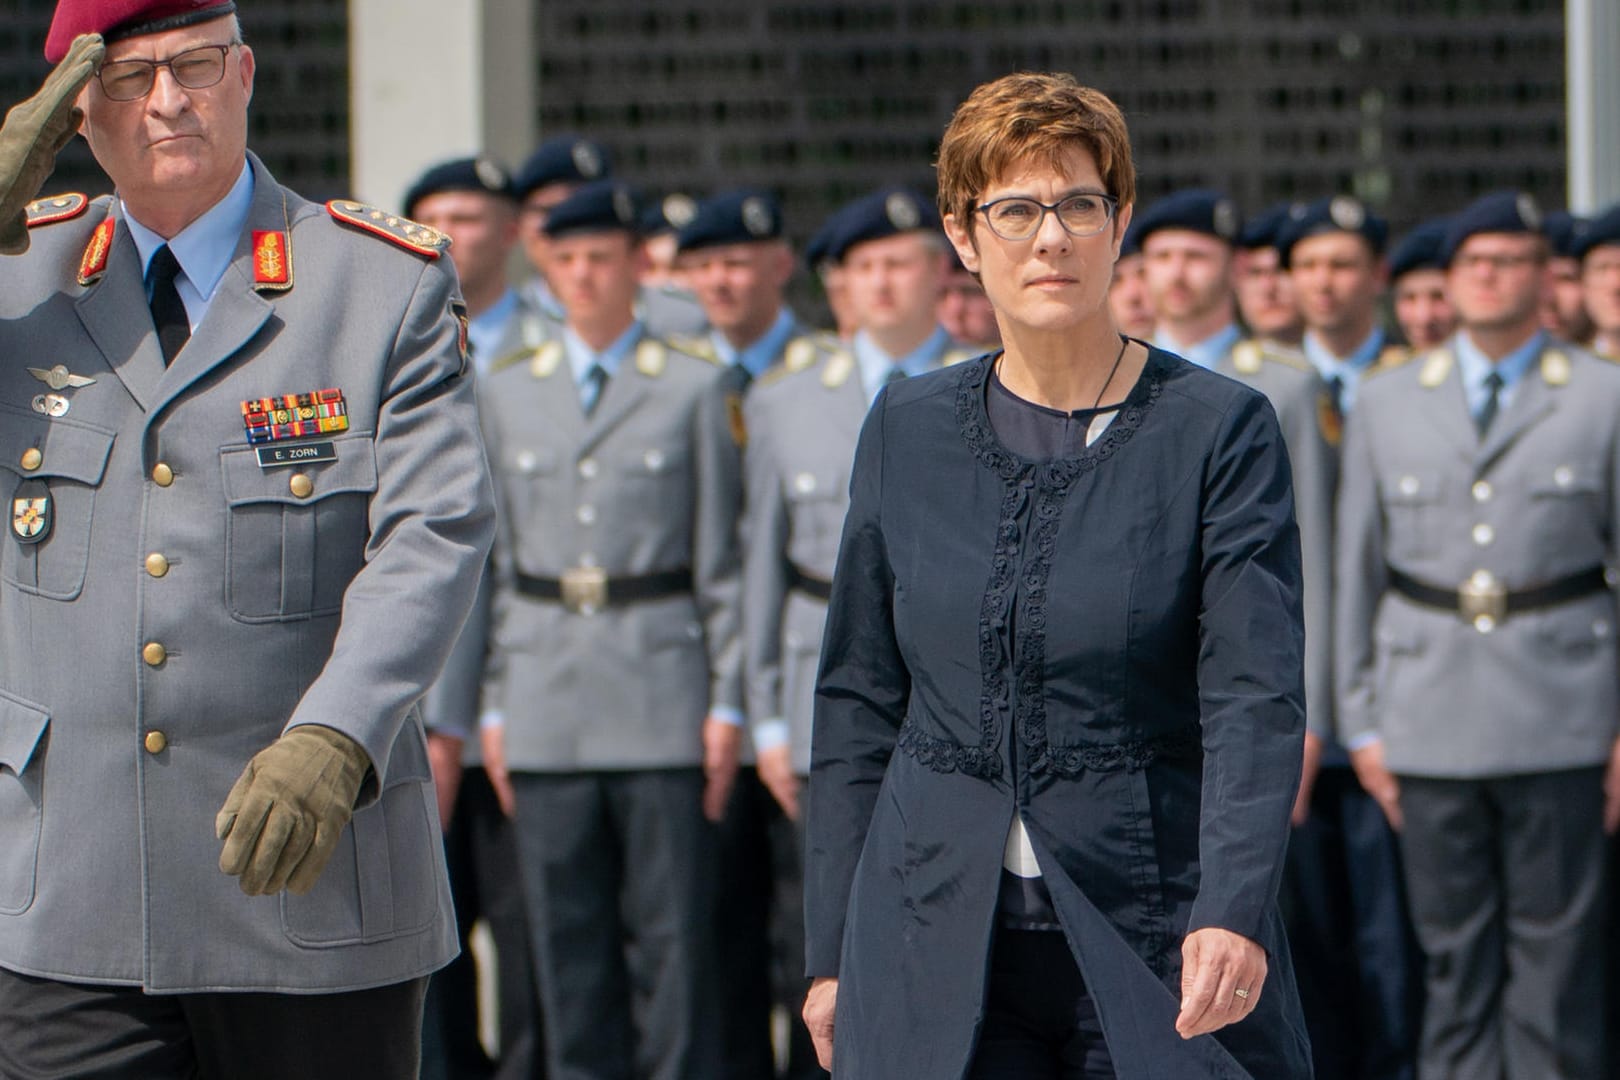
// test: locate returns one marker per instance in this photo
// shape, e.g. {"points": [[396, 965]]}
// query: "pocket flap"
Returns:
{"points": [[21, 726], [354, 469], [1416, 486], [67, 448]]}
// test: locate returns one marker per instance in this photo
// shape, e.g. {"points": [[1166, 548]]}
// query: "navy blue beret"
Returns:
{"points": [[884, 213], [1196, 209], [732, 217], [601, 206], [1603, 229], [1261, 231], [1559, 227], [1132, 243], [1341, 213], [1498, 212], [462, 174], [820, 243], [672, 213], [1420, 248], [565, 159]]}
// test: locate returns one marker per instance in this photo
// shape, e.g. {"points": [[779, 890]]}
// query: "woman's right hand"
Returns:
{"points": [[819, 1006]]}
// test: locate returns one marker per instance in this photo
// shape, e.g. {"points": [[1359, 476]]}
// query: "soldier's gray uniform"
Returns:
{"points": [[188, 605], [1519, 707]]}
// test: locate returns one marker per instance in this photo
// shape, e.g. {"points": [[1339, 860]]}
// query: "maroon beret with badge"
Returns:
{"points": [[115, 20]]}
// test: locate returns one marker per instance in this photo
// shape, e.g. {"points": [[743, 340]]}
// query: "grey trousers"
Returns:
{"points": [[618, 872], [1507, 882]]}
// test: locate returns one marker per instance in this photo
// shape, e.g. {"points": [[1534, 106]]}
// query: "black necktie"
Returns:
{"points": [[896, 373], [595, 382], [168, 313], [1336, 388], [1493, 401]]}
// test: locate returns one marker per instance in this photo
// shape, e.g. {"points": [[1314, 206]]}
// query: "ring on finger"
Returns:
{"points": [[1241, 994]]}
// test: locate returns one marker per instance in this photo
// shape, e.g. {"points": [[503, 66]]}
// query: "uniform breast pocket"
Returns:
{"points": [[816, 503], [49, 473], [659, 477], [295, 536], [524, 472], [1568, 501], [1413, 512]]}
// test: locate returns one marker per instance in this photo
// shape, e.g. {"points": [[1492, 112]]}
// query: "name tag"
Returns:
{"points": [[271, 457]]}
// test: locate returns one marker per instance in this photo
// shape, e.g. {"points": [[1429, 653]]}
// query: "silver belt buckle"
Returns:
{"points": [[1482, 600], [584, 589]]}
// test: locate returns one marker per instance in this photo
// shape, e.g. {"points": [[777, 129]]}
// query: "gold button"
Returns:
{"points": [[154, 654], [162, 475], [300, 485], [156, 742], [157, 565], [32, 458]]}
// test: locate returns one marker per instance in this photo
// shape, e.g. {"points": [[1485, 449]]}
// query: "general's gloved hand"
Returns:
{"points": [[283, 818], [35, 132]]}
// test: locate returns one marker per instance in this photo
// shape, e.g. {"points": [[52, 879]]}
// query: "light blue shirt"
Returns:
{"points": [[203, 249], [543, 299], [1349, 369], [875, 364], [485, 330], [759, 356], [581, 357], [1474, 366], [1207, 353]]}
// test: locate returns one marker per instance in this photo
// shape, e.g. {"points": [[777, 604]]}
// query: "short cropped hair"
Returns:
{"points": [[1030, 115]]}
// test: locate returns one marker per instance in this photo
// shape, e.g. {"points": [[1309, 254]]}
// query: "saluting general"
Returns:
{"points": [[246, 499], [1059, 713]]}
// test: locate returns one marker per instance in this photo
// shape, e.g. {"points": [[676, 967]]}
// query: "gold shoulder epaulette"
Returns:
{"points": [[801, 354], [408, 234], [54, 209], [1436, 366], [1287, 356], [837, 370], [1246, 357], [651, 356], [1391, 356]]}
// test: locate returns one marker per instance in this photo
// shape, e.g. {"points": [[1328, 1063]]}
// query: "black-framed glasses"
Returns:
{"points": [[194, 69], [1018, 218]]}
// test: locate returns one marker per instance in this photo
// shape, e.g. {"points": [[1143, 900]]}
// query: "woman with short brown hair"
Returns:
{"points": [[1068, 595]]}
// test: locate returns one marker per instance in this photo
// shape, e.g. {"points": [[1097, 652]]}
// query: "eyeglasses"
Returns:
{"points": [[194, 69], [1018, 218]]}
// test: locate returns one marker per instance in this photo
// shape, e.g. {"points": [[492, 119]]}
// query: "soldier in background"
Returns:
{"points": [[612, 691], [1479, 681], [661, 221], [733, 252], [472, 201], [1355, 958], [830, 274], [558, 167], [1563, 308], [1417, 284], [964, 311], [1265, 291], [1597, 248], [1128, 297]]}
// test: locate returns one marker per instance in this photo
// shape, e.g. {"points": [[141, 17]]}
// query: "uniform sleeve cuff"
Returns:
{"points": [[770, 734], [726, 714]]}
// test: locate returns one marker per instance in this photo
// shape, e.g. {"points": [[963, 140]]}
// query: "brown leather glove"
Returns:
{"points": [[35, 132], [282, 820]]}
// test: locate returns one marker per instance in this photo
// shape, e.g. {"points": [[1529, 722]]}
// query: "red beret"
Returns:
{"points": [[118, 19]]}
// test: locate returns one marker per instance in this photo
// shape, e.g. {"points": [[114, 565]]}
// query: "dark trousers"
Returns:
{"points": [[760, 936], [1039, 1020], [618, 871], [481, 854], [1506, 880], [52, 1029], [1356, 958]]}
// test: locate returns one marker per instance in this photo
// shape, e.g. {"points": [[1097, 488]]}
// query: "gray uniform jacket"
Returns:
{"points": [[187, 605], [1533, 502], [649, 483], [1310, 429], [803, 418]]}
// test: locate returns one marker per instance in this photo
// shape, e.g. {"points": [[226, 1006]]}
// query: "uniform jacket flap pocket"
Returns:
{"points": [[532, 459], [31, 445], [21, 727], [1412, 487], [407, 760], [353, 468], [1571, 479]]}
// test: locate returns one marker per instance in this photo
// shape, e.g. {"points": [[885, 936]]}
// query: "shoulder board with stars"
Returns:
{"points": [[56, 208], [408, 234]]}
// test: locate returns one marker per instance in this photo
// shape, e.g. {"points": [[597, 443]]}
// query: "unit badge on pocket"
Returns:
{"points": [[31, 513]]}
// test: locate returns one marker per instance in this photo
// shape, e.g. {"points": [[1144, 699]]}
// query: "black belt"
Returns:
{"points": [[819, 588], [588, 588], [1485, 601]]}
